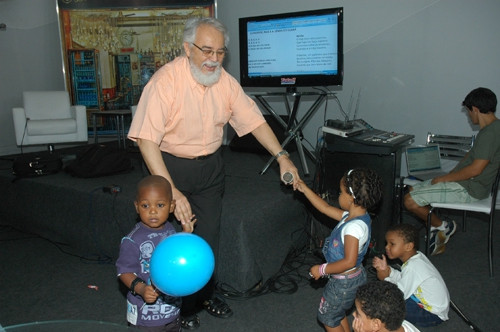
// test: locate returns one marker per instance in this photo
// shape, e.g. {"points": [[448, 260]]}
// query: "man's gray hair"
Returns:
{"points": [[192, 25]]}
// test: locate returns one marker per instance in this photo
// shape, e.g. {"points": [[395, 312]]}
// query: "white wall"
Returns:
{"points": [[414, 60], [30, 58]]}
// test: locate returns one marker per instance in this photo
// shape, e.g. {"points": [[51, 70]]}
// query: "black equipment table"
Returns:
{"points": [[375, 149]]}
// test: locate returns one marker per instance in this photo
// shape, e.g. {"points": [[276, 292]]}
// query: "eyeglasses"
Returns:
{"points": [[208, 52]]}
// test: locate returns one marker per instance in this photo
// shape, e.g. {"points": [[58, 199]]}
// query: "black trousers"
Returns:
{"points": [[202, 182]]}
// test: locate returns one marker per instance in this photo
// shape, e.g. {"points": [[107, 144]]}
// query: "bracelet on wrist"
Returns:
{"points": [[282, 153], [322, 269], [134, 283]]}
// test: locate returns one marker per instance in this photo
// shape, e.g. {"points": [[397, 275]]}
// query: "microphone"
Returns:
{"points": [[288, 177]]}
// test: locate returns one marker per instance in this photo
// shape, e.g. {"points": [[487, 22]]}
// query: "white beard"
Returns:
{"points": [[206, 79]]}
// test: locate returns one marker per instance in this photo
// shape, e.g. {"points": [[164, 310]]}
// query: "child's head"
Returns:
{"points": [[402, 241], [364, 185], [379, 305], [153, 200]]}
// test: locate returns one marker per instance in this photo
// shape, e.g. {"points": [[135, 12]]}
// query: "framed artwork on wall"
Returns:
{"points": [[111, 48]]}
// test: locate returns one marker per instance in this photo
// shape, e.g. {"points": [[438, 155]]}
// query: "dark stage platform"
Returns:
{"points": [[261, 218]]}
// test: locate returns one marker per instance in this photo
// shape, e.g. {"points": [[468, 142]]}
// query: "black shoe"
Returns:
{"points": [[217, 307], [191, 322]]}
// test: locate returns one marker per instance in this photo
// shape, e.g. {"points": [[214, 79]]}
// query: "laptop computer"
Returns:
{"points": [[424, 162]]}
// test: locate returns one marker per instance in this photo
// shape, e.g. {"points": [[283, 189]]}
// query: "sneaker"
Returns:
{"points": [[432, 239], [450, 230], [439, 244]]}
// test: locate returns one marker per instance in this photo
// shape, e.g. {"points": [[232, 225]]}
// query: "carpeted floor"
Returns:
{"points": [[40, 282]]}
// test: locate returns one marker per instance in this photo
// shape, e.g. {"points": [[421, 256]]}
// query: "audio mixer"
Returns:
{"points": [[362, 136]]}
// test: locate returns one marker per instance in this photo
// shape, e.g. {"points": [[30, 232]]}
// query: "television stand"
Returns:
{"points": [[295, 125]]}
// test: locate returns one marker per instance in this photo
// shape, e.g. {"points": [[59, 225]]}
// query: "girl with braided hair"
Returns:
{"points": [[345, 248]]}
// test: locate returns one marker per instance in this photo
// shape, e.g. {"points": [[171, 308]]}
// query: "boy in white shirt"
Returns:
{"points": [[427, 298]]}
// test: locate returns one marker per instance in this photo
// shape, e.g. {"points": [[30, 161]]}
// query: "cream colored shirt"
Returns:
{"points": [[185, 118], [409, 327]]}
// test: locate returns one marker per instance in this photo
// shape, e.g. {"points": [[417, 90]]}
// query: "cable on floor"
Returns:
{"points": [[293, 273]]}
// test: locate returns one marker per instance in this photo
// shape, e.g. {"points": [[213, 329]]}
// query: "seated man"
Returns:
{"points": [[471, 179]]}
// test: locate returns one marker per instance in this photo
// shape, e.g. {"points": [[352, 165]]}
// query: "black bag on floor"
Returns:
{"points": [[37, 164], [99, 160]]}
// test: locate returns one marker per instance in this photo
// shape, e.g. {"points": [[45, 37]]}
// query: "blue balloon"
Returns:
{"points": [[181, 264]]}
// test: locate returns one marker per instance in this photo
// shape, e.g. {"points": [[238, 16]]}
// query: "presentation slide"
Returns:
{"points": [[301, 46]]}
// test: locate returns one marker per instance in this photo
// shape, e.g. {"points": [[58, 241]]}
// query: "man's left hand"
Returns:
{"points": [[286, 165]]}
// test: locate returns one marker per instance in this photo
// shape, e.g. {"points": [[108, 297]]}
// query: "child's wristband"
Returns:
{"points": [[134, 283], [322, 269]]}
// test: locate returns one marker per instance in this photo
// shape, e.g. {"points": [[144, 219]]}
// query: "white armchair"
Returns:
{"points": [[47, 117]]}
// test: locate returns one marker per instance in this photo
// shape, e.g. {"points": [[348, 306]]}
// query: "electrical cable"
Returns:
{"points": [[115, 219], [24, 134], [11, 159], [101, 257], [58, 245], [294, 270], [93, 228], [292, 273]]}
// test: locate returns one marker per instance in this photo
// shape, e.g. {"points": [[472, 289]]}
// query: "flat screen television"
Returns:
{"points": [[292, 50]]}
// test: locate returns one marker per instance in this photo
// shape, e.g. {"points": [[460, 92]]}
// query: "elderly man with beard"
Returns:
{"points": [[178, 127]]}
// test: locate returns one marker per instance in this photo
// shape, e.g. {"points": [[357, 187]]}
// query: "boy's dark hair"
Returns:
{"points": [[382, 300], [365, 185], [156, 181], [482, 98], [408, 232]]}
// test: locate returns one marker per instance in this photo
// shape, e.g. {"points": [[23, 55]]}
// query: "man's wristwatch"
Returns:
{"points": [[282, 153]]}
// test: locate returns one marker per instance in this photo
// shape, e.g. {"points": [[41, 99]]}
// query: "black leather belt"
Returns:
{"points": [[204, 157]]}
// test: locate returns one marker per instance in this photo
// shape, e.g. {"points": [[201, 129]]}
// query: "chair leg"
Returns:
{"points": [[401, 205], [490, 242], [462, 315], [428, 231], [464, 221]]}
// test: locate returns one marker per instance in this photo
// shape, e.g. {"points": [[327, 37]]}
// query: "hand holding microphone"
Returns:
{"points": [[287, 177]]}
